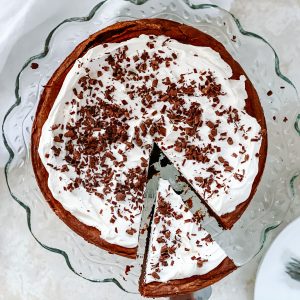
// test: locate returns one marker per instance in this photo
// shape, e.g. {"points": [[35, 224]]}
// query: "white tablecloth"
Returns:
{"points": [[29, 272]]}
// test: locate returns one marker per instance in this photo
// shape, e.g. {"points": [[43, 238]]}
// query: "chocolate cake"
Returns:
{"points": [[131, 86]]}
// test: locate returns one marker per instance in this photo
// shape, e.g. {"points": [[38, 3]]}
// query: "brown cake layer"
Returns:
{"points": [[117, 33], [187, 285]]}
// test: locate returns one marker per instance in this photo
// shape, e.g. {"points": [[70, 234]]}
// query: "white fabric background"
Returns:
{"points": [[29, 272]]}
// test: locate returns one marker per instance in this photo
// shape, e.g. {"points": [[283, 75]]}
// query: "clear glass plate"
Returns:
{"points": [[281, 107]]}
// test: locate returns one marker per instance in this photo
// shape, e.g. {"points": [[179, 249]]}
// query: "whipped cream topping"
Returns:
{"points": [[120, 98], [179, 247]]}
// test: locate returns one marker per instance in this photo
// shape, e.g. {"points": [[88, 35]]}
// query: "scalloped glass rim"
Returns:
{"points": [[267, 229]]}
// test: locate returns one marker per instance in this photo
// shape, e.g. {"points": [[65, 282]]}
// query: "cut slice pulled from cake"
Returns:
{"points": [[181, 256]]}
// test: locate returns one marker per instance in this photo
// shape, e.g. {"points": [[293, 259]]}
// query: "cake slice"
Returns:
{"points": [[181, 256]]}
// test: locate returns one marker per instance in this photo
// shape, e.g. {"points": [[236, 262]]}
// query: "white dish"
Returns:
{"points": [[272, 281]]}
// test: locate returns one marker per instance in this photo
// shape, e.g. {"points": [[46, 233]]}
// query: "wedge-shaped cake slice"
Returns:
{"points": [[181, 256]]}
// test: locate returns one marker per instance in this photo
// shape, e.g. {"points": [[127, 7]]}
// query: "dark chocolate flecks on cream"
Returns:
{"points": [[179, 247]]}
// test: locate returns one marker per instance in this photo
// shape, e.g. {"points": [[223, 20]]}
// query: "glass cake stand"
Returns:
{"points": [[278, 97]]}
